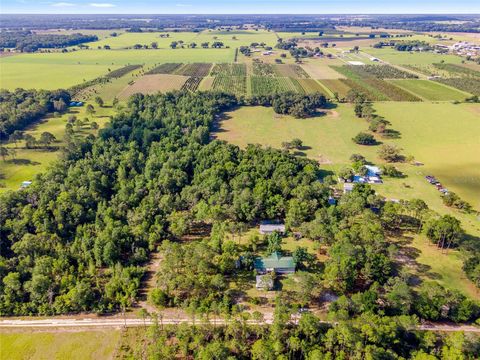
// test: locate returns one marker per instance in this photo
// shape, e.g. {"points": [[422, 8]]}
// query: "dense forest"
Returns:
{"points": [[20, 108], [78, 237], [27, 41]]}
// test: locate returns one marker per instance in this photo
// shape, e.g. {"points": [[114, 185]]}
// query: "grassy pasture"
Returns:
{"points": [[92, 344], [430, 90], [443, 136], [47, 76], [126, 40]]}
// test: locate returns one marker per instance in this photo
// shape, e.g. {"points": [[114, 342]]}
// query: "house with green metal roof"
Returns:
{"points": [[275, 262]]}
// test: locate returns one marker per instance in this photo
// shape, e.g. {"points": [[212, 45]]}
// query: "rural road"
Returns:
{"points": [[118, 322]]}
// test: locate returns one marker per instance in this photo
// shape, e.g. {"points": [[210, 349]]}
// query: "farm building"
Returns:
{"points": [[264, 282], [269, 227], [276, 263]]}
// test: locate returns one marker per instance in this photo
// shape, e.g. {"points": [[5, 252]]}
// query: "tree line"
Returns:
{"points": [[28, 41]]}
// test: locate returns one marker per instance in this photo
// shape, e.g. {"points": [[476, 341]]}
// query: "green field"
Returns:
{"points": [[72, 345], [430, 90], [57, 70]]}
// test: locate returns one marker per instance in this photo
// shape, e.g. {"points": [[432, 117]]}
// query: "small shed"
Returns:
{"points": [[270, 227], [347, 187], [275, 263], [264, 282], [25, 184]]}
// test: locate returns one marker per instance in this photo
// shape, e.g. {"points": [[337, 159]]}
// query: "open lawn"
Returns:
{"points": [[151, 84], [127, 39], [56, 70], [49, 345], [430, 90]]}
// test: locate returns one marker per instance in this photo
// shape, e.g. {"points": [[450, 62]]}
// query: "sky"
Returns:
{"points": [[240, 7]]}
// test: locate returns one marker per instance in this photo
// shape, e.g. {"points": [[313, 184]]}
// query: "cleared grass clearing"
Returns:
{"points": [[336, 86], [151, 84], [206, 84], [445, 268], [236, 38], [430, 90], [48, 345]]}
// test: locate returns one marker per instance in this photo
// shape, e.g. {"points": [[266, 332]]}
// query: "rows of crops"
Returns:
{"points": [[374, 88], [122, 71], [232, 84], [167, 68], [192, 83], [311, 86], [470, 85], [380, 72], [457, 70], [337, 87], [194, 70], [264, 70], [265, 85], [293, 71], [229, 70]]}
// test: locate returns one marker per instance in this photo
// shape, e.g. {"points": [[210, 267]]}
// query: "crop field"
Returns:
{"points": [[336, 86], [457, 70], [431, 90], [268, 85], [321, 70], [229, 70], [233, 84], [167, 68], [44, 345], [195, 70], [312, 86], [293, 71], [411, 58], [122, 71], [470, 85], [191, 84], [151, 84], [264, 70], [380, 72]]}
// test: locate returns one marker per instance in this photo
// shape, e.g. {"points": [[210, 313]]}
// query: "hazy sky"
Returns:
{"points": [[239, 7]]}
